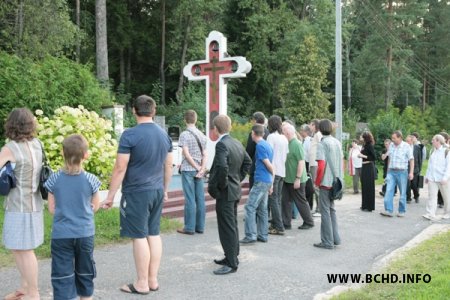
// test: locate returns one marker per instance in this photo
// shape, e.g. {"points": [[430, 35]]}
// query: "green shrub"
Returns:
{"points": [[240, 131], [96, 130], [47, 84]]}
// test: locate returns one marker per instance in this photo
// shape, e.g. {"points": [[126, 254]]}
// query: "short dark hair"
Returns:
{"points": [[222, 123], [368, 138], [20, 125], [258, 129], [325, 127], [316, 123], [144, 106], [398, 133], [259, 117], [275, 124], [190, 116], [416, 134]]}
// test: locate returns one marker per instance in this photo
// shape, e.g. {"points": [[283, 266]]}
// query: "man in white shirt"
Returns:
{"points": [[438, 177], [317, 137]]}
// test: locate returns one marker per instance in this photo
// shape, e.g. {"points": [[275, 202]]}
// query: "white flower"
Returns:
{"points": [[58, 111], [59, 139], [49, 131], [81, 107], [53, 147], [68, 128], [45, 120], [39, 112], [107, 136], [39, 127], [59, 123]]}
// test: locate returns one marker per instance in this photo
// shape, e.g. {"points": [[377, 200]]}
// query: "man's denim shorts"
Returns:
{"points": [[140, 213]]}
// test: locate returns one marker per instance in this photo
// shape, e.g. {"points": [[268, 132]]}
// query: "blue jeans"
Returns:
{"points": [[395, 178], [73, 267], [257, 205], [194, 201], [275, 203]]}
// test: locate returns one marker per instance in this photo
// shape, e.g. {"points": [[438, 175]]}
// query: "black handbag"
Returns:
{"points": [[7, 179], [337, 187], [46, 171]]}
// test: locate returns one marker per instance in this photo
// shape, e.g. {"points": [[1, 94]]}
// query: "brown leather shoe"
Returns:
{"points": [[182, 231]]}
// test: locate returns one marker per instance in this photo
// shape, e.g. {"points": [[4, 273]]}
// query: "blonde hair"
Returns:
{"points": [[75, 147], [439, 138]]}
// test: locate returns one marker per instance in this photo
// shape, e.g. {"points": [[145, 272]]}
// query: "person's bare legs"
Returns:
{"points": [[141, 254], [86, 298], [27, 264], [155, 245]]}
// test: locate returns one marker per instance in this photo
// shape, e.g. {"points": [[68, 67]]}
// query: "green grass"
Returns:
{"points": [[430, 257], [106, 232]]}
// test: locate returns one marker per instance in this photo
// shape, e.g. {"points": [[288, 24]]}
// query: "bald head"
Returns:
{"points": [[289, 131]]}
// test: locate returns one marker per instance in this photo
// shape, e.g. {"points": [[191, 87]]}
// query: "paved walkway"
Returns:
{"points": [[287, 267]]}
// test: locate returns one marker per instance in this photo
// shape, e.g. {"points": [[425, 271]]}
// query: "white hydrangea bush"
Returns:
{"points": [[97, 131]]}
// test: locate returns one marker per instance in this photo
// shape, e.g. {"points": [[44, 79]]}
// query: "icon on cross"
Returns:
{"points": [[215, 69]]}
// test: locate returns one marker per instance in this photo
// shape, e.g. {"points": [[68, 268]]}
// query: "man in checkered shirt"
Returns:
{"points": [[400, 155], [193, 167]]}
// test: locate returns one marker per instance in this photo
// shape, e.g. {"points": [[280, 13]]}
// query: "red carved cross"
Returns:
{"points": [[216, 69], [213, 69]]}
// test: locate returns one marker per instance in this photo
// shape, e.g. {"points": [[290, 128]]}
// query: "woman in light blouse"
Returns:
{"points": [[438, 177]]}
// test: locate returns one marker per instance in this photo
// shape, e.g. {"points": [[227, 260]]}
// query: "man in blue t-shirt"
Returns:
{"points": [[257, 200], [144, 168]]}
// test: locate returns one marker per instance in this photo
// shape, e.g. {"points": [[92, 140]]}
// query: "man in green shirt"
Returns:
{"points": [[295, 182]]}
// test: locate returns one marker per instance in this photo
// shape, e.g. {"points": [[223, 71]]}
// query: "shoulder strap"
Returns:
{"points": [[44, 157], [197, 139], [329, 160]]}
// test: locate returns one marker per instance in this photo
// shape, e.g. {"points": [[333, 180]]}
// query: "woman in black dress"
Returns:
{"points": [[368, 172]]}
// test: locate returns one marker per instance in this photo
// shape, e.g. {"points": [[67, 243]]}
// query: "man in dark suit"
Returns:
{"points": [[418, 156], [230, 166]]}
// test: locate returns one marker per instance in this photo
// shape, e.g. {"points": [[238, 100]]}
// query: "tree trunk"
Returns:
{"points": [[128, 72], [183, 59], [389, 60], [20, 27], [163, 52], [122, 67], [101, 42], [424, 95], [77, 20], [349, 84]]}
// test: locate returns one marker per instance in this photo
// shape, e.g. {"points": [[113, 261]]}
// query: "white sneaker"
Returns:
{"points": [[316, 214], [401, 214], [446, 216], [428, 217]]}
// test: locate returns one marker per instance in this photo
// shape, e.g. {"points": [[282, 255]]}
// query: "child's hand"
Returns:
{"points": [[107, 203]]}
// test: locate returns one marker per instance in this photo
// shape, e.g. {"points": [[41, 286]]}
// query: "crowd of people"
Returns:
{"points": [[402, 166], [285, 168]]}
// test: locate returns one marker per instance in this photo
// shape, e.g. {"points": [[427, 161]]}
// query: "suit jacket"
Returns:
{"points": [[230, 166], [417, 152]]}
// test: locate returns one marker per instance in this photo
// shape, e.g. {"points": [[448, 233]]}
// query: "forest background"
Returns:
{"points": [[396, 58]]}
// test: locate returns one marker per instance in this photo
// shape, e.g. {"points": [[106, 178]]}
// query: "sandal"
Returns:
{"points": [[132, 290], [16, 295]]}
